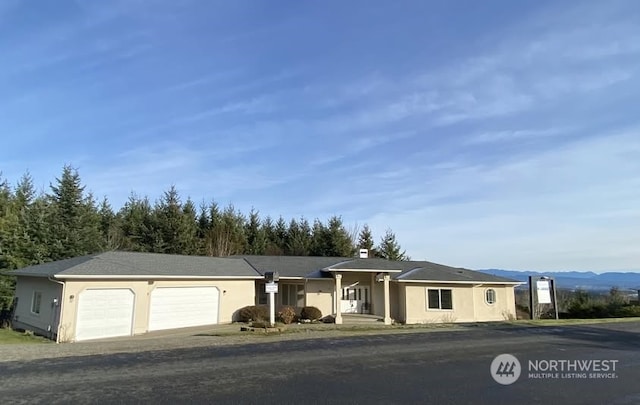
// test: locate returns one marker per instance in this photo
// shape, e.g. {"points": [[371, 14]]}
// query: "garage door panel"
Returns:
{"points": [[181, 307], [104, 313]]}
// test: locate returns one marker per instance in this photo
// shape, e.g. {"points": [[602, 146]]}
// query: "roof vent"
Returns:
{"points": [[364, 253]]}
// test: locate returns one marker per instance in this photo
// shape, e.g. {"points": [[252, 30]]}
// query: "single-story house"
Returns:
{"points": [[128, 293]]}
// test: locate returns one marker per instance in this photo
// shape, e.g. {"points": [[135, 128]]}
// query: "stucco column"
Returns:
{"points": [[338, 295], [387, 305]]}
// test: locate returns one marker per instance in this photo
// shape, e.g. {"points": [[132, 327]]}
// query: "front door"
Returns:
{"points": [[355, 300]]}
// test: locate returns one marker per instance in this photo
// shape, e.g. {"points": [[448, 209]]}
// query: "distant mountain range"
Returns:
{"points": [[573, 280]]}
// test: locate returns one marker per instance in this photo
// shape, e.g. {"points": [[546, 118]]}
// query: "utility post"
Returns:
{"points": [[271, 288]]}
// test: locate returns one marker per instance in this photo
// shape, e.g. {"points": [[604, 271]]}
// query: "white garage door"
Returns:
{"points": [[104, 313], [181, 307]]}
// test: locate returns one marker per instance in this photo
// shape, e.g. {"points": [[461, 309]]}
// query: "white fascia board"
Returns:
{"points": [[459, 282], [362, 271], [151, 276]]}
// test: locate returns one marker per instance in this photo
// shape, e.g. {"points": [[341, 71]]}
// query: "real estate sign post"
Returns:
{"points": [[542, 290], [271, 288]]}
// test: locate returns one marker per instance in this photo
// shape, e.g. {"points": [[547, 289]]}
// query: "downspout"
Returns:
{"points": [[61, 306]]}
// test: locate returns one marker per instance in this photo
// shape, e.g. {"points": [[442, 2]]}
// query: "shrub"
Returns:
{"points": [[311, 313], [287, 314], [253, 313], [627, 311]]}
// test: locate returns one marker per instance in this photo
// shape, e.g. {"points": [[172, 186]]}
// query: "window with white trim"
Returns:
{"points": [[36, 301], [439, 298], [490, 296], [292, 294]]}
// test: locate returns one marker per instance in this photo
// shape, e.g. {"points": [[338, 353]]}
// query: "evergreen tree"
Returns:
{"points": [[272, 248], [298, 238], [189, 228], [74, 223], [137, 226], [339, 243], [7, 283], [280, 233], [226, 236], [319, 239], [256, 237], [390, 249], [176, 225], [110, 227], [365, 240]]}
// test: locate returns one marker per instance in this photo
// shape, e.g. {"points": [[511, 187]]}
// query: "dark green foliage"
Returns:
{"points": [[311, 313], [587, 305], [175, 225], [138, 228], [7, 286], [253, 313], [68, 222], [338, 243], [365, 241], [628, 311], [298, 238], [74, 220], [390, 249], [256, 237]]}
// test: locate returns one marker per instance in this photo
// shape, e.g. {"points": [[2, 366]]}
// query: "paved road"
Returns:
{"points": [[436, 367]]}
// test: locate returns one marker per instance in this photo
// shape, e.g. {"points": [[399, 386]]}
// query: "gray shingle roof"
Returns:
{"points": [[133, 264], [320, 267], [292, 266], [142, 264], [417, 271], [368, 264]]}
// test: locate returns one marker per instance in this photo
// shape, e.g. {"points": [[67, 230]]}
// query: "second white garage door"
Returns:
{"points": [[181, 307]]}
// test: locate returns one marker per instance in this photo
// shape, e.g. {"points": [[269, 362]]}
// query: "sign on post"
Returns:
{"points": [[543, 291], [271, 288]]}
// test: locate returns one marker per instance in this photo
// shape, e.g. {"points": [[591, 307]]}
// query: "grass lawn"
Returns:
{"points": [[8, 336]]}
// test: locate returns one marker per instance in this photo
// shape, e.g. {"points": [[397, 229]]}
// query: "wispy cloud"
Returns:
{"points": [[512, 146], [516, 135]]}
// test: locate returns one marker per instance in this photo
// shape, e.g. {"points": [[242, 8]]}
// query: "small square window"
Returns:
{"points": [[35, 302]]}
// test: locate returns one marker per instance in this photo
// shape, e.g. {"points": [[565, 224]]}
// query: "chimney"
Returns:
{"points": [[364, 253]]}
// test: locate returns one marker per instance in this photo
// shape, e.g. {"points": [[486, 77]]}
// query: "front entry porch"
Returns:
{"points": [[356, 299], [352, 294]]}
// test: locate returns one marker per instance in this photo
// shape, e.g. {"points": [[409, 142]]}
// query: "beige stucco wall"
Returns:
{"points": [[394, 300], [319, 294], [234, 294], [46, 321], [468, 303], [499, 311], [402, 303]]}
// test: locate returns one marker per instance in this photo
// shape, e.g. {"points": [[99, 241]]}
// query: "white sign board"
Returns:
{"points": [[271, 288], [544, 291]]}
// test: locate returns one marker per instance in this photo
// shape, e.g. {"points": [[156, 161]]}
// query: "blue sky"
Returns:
{"points": [[485, 134]]}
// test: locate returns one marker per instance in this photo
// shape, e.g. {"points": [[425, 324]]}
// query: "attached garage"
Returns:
{"points": [[181, 307], [104, 313]]}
